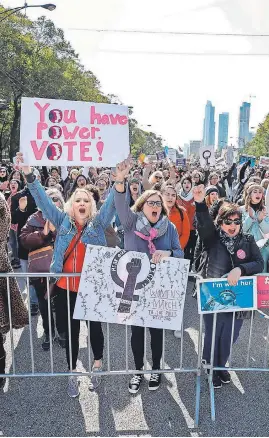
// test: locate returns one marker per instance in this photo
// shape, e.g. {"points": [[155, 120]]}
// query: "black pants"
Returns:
{"points": [[2, 356], [189, 250], [222, 339], [137, 343], [96, 333], [41, 289]]}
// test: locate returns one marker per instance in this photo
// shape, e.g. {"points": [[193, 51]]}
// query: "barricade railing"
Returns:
{"points": [[196, 370], [211, 367]]}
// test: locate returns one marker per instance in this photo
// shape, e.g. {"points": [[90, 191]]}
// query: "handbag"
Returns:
{"points": [[40, 259]]}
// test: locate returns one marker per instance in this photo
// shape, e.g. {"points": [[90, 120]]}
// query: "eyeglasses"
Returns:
{"points": [[153, 203], [232, 221]]}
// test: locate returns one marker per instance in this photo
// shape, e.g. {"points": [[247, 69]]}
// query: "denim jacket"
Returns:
{"points": [[66, 229]]}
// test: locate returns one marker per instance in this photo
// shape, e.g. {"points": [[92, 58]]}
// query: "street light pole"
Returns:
{"points": [[9, 12]]}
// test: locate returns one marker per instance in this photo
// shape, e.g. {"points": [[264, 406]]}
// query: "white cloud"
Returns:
{"points": [[168, 91]]}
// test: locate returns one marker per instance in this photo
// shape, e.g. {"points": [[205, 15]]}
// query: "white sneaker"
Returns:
{"points": [[73, 389], [177, 334]]}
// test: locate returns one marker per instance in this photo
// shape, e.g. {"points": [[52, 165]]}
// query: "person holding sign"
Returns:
{"points": [[77, 226], [226, 250], [148, 230]]}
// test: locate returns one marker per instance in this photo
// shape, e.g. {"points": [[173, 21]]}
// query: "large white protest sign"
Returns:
{"points": [[64, 132], [172, 155], [207, 156], [124, 287]]}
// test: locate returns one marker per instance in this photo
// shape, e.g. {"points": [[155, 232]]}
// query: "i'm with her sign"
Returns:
{"points": [[68, 133]]}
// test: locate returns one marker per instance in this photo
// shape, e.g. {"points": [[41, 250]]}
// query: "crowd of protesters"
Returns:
{"points": [[213, 218]]}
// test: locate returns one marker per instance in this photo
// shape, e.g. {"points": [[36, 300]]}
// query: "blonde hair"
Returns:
{"points": [[68, 208], [152, 179]]}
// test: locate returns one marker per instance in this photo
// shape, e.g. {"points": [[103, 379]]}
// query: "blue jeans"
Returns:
{"points": [[23, 284], [13, 243]]}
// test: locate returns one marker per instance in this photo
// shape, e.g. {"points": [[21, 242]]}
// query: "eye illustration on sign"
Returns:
{"points": [[130, 275]]}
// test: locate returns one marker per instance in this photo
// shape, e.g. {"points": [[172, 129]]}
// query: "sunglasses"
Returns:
{"points": [[231, 221], [55, 199], [158, 177], [153, 203]]}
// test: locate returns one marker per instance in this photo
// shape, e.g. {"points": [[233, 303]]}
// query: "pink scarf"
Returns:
{"points": [[152, 235]]}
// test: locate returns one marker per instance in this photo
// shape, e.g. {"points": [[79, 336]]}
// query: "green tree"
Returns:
{"points": [[259, 146]]}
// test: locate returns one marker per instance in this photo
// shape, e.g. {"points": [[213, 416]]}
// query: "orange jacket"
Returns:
{"points": [[182, 226], [74, 263], [190, 209]]}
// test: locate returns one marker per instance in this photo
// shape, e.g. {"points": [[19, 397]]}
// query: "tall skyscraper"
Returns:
{"points": [[243, 134], [223, 130], [195, 147], [209, 125]]}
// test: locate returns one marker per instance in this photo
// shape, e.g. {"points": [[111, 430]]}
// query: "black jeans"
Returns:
{"points": [[96, 333], [41, 289], [137, 343], [223, 337], [2, 355], [189, 250]]}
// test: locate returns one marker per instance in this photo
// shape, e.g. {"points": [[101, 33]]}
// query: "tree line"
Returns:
{"points": [[37, 61]]}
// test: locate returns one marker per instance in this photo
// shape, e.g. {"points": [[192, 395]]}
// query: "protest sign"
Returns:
{"points": [[218, 296], [172, 155], [67, 133], [229, 156], [160, 155], [263, 292], [244, 158], [207, 156], [141, 158], [125, 287], [181, 162], [150, 159], [264, 161]]}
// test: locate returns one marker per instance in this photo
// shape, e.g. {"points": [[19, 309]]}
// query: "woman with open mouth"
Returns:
{"points": [[76, 226], [147, 229], [226, 250], [255, 217]]}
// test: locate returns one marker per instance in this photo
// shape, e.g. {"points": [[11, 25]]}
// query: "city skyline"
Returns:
{"points": [[223, 130], [209, 125], [243, 124]]}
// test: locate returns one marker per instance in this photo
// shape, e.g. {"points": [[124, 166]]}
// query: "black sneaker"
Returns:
{"points": [[34, 309], [225, 377], [46, 341], [154, 381], [135, 382], [216, 380]]}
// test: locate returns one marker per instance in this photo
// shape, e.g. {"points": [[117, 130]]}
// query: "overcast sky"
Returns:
{"points": [[170, 91]]}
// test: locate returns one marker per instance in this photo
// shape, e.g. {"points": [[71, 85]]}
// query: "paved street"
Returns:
{"points": [[41, 407]]}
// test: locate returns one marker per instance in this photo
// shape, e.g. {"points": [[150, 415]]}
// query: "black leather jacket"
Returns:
{"points": [[215, 260]]}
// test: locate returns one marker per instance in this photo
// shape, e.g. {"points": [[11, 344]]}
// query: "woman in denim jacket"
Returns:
{"points": [[79, 219]]}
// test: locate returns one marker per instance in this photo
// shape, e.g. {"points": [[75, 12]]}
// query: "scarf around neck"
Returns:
{"points": [[185, 196], [145, 231], [229, 242]]}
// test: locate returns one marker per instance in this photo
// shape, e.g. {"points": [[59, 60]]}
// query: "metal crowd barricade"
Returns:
{"points": [[196, 370], [210, 368]]}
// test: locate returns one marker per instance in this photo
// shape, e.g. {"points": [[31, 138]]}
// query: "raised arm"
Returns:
{"points": [[43, 202], [145, 180], [126, 216], [205, 226]]}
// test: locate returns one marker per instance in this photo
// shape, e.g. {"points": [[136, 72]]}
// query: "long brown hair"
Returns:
{"points": [[178, 207], [248, 197], [139, 203]]}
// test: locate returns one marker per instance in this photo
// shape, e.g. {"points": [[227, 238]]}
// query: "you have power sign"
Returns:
{"points": [[65, 133]]}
